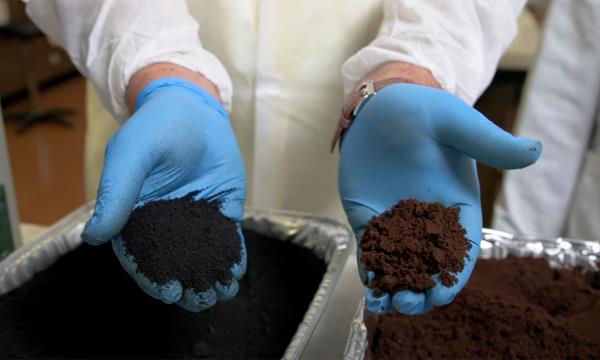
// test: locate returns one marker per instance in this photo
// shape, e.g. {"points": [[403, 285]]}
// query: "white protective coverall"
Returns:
{"points": [[560, 195], [283, 59]]}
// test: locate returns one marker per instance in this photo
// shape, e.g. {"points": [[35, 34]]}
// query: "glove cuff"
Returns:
{"points": [[175, 82]]}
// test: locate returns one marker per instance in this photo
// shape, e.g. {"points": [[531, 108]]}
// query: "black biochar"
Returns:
{"points": [[86, 306], [183, 239]]}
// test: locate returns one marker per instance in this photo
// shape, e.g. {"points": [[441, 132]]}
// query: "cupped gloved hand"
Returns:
{"points": [[178, 140], [412, 141]]}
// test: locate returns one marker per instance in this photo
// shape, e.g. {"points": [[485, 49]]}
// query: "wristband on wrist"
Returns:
{"points": [[357, 99]]}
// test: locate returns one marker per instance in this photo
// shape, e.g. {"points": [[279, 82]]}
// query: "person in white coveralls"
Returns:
{"points": [[183, 78]]}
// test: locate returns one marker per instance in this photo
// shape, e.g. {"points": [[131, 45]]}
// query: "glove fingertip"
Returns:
{"points": [[228, 291], [196, 302], [377, 304], [441, 295], [531, 151], [517, 153], [91, 233], [370, 278], [409, 302], [171, 292]]}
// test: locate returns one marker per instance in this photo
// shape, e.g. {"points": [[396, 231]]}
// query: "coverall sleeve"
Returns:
{"points": [[110, 40], [460, 42]]}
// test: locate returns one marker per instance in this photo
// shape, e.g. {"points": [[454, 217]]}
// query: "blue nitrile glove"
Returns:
{"points": [[178, 140], [412, 141]]}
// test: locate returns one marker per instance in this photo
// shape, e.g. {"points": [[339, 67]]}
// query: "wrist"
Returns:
{"points": [[142, 78], [176, 90], [401, 70], [395, 72]]}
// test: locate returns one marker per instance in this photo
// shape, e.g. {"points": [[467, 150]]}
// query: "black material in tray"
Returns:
{"points": [[85, 305]]}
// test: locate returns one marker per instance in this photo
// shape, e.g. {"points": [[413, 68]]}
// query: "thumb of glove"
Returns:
{"points": [[471, 133], [125, 168]]}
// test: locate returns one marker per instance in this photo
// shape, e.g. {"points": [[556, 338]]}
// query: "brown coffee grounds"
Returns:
{"points": [[414, 240], [511, 308], [183, 239]]}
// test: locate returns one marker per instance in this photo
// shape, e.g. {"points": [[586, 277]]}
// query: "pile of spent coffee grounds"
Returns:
{"points": [[414, 240], [183, 239], [517, 308]]}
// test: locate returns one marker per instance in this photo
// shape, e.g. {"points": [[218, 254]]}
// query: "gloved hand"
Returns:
{"points": [[178, 140], [412, 141]]}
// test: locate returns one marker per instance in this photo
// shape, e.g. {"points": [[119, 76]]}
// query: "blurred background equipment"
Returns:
{"points": [[4, 12], [38, 85], [10, 236], [26, 34], [50, 64]]}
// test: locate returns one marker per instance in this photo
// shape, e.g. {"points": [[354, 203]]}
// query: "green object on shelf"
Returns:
{"points": [[6, 240]]}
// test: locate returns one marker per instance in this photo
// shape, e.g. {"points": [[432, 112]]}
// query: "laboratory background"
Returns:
{"points": [[317, 241]]}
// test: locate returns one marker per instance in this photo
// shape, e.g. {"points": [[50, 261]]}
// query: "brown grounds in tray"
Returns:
{"points": [[511, 308], [414, 240]]}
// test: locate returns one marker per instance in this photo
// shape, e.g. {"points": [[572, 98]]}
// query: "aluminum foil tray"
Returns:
{"points": [[327, 238], [560, 252]]}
